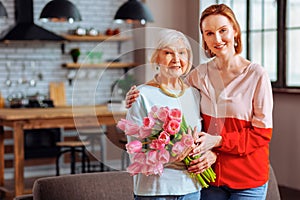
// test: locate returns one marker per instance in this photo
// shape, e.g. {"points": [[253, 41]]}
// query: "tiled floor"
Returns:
{"points": [[289, 194]]}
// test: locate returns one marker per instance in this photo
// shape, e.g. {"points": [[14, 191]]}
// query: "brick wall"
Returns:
{"points": [[48, 57]]}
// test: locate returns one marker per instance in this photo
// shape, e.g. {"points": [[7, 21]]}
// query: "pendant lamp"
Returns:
{"points": [[3, 12], [133, 11], [60, 11]]}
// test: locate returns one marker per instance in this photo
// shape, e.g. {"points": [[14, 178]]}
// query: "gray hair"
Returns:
{"points": [[168, 37]]}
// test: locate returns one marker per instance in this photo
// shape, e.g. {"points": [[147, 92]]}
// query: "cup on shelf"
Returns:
{"points": [[94, 57]]}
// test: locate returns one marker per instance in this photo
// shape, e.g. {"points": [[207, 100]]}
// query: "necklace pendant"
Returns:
{"points": [[166, 92]]}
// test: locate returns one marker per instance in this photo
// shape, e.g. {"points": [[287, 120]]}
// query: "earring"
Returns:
{"points": [[157, 67]]}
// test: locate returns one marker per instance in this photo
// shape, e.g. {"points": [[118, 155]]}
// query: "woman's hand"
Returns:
{"points": [[206, 142], [131, 96], [202, 163], [187, 151], [182, 155]]}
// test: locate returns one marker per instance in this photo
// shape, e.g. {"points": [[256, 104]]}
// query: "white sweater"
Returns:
{"points": [[172, 181]]}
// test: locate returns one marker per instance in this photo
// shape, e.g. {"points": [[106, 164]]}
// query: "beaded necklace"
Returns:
{"points": [[166, 92]]}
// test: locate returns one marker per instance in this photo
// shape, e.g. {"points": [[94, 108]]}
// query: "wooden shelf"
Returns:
{"points": [[119, 65], [116, 38], [7, 42]]}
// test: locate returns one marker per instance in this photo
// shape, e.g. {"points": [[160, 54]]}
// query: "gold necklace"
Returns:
{"points": [[166, 92]]}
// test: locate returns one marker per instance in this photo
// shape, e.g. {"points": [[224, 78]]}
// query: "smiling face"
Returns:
{"points": [[173, 60], [219, 34], [214, 16]]}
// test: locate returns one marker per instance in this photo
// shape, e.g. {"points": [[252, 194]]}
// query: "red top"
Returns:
{"points": [[242, 115]]}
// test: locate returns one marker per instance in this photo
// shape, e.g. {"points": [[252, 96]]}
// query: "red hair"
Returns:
{"points": [[222, 9]]}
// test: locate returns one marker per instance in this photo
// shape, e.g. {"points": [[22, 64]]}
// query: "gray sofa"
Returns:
{"points": [[113, 185]]}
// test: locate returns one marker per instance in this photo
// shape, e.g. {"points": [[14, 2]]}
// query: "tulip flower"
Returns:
{"points": [[162, 134], [134, 146]]}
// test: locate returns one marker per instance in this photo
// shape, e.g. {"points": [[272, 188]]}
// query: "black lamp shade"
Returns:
{"points": [[134, 10], [60, 11], [3, 12]]}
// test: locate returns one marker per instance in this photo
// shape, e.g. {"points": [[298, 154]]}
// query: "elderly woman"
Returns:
{"points": [[173, 57]]}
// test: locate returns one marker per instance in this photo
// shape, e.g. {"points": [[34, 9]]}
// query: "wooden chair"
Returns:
{"points": [[72, 147], [96, 136], [57, 94]]}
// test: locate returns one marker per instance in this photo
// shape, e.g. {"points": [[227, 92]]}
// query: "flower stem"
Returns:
{"points": [[205, 177]]}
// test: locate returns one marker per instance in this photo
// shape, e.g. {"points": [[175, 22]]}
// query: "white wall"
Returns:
{"points": [[169, 14]]}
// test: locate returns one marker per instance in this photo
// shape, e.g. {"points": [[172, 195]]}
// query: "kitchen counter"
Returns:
{"points": [[34, 118], [64, 111]]}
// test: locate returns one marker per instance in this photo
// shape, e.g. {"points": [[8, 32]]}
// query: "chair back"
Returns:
{"points": [[273, 190], [91, 186]]}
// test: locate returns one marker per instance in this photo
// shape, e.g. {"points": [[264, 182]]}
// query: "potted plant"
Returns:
{"points": [[120, 88], [75, 53], [123, 85]]}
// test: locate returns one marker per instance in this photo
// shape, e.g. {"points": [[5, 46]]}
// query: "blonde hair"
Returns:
{"points": [[168, 37], [222, 9]]}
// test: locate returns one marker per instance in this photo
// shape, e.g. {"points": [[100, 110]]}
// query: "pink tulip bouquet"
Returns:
{"points": [[163, 135]]}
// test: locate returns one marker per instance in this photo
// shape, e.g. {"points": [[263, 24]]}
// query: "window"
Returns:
{"points": [[270, 34], [292, 43]]}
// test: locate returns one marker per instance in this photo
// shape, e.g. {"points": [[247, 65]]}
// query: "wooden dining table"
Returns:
{"points": [[21, 119]]}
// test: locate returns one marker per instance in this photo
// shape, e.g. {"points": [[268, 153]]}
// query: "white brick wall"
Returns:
{"points": [[48, 57]]}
